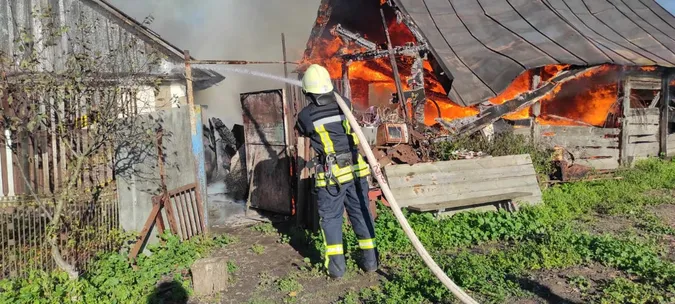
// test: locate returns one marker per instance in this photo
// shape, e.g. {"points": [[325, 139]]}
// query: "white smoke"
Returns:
{"points": [[233, 30]]}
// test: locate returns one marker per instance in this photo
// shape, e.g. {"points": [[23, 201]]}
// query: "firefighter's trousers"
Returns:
{"points": [[332, 201]]}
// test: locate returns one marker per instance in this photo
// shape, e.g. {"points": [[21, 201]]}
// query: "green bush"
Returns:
{"points": [[111, 279], [502, 144]]}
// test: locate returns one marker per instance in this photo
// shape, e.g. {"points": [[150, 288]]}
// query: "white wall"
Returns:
{"points": [[230, 29]]}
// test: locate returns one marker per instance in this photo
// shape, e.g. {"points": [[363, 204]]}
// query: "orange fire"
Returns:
{"points": [[587, 100], [648, 68]]}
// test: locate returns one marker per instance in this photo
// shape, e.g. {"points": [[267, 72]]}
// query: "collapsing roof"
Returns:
{"points": [[481, 46], [111, 28]]}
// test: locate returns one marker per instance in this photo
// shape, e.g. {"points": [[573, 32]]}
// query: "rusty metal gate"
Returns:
{"points": [[267, 133]]}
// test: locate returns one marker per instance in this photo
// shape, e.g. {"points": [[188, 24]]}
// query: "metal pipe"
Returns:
{"points": [[240, 62]]}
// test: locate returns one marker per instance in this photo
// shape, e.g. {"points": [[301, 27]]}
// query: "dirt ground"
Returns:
{"points": [[577, 284], [280, 272], [274, 269]]}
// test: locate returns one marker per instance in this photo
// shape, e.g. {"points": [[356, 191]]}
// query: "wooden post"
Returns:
{"points": [[665, 115], [197, 152], [536, 110], [625, 105], [10, 164], [346, 87]]}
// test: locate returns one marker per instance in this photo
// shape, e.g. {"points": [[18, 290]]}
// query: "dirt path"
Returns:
{"points": [[273, 269]]}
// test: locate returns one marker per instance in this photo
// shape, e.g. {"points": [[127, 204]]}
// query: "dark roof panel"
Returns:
{"points": [[485, 44]]}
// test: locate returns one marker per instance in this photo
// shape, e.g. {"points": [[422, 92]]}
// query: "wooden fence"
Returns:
{"points": [[589, 146], [41, 161], [89, 228], [642, 134]]}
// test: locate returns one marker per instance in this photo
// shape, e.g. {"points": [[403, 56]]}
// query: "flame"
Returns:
{"points": [[648, 68], [587, 100]]}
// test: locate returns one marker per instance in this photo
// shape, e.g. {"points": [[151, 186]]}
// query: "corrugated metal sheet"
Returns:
{"points": [[108, 29], [486, 44]]}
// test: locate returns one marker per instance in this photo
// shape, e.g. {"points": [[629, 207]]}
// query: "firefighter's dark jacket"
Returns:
{"points": [[330, 133]]}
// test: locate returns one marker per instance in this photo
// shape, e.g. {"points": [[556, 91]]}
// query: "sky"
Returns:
{"points": [[668, 5], [232, 30]]}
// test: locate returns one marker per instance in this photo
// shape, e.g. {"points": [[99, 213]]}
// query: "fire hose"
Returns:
{"points": [[377, 171]]}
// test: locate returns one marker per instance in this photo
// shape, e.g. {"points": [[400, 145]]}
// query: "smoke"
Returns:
{"points": [[235, 30]]}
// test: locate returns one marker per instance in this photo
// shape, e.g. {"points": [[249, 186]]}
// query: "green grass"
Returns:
{"points": [[488, 254]]}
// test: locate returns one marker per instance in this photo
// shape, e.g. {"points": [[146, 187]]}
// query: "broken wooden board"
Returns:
{"points": [[439, 182], [593, 147], [671, 144], [641, 131], [521, 101]]}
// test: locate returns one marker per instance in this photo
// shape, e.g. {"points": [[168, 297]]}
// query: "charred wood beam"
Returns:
{"points": [[407, 50], [348, 35], [416, 82], [519, 103], [323, 15], [579, 122]]}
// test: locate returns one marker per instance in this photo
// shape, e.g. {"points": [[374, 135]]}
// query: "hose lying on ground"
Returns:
{"points": [[375, 165]]}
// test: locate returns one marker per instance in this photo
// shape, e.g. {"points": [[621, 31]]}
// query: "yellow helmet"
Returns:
{"points": [[317, 80]]}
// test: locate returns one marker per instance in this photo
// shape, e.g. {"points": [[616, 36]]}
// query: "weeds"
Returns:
{"points": [[490, 253], [264, 228], [258, 249], [501, 144], [291, 287], [111, 278]]}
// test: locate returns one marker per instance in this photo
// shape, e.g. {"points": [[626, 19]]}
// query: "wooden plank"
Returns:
{"points": [[634, 139], [455, 177], [586, 153], [580, 141], [533, 200], [469, 201], [645, 149], [145, 233], [418, 191], [647, 119], [599, 163], [642, 129], [671, 144], [643, 112], [664, 124], [646, 85], [547, 130], [625, 106], [458, 165]]}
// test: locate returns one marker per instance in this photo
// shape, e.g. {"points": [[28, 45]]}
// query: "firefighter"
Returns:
{"points": [[341, 180]]}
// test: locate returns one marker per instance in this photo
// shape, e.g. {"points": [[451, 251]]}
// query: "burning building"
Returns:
{"points": [[592, 77]]}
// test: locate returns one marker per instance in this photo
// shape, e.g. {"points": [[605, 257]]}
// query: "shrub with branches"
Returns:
{"points": [[82, 108]]}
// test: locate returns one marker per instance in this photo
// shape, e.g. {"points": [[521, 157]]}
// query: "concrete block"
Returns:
{"points": [[209, 276]]}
